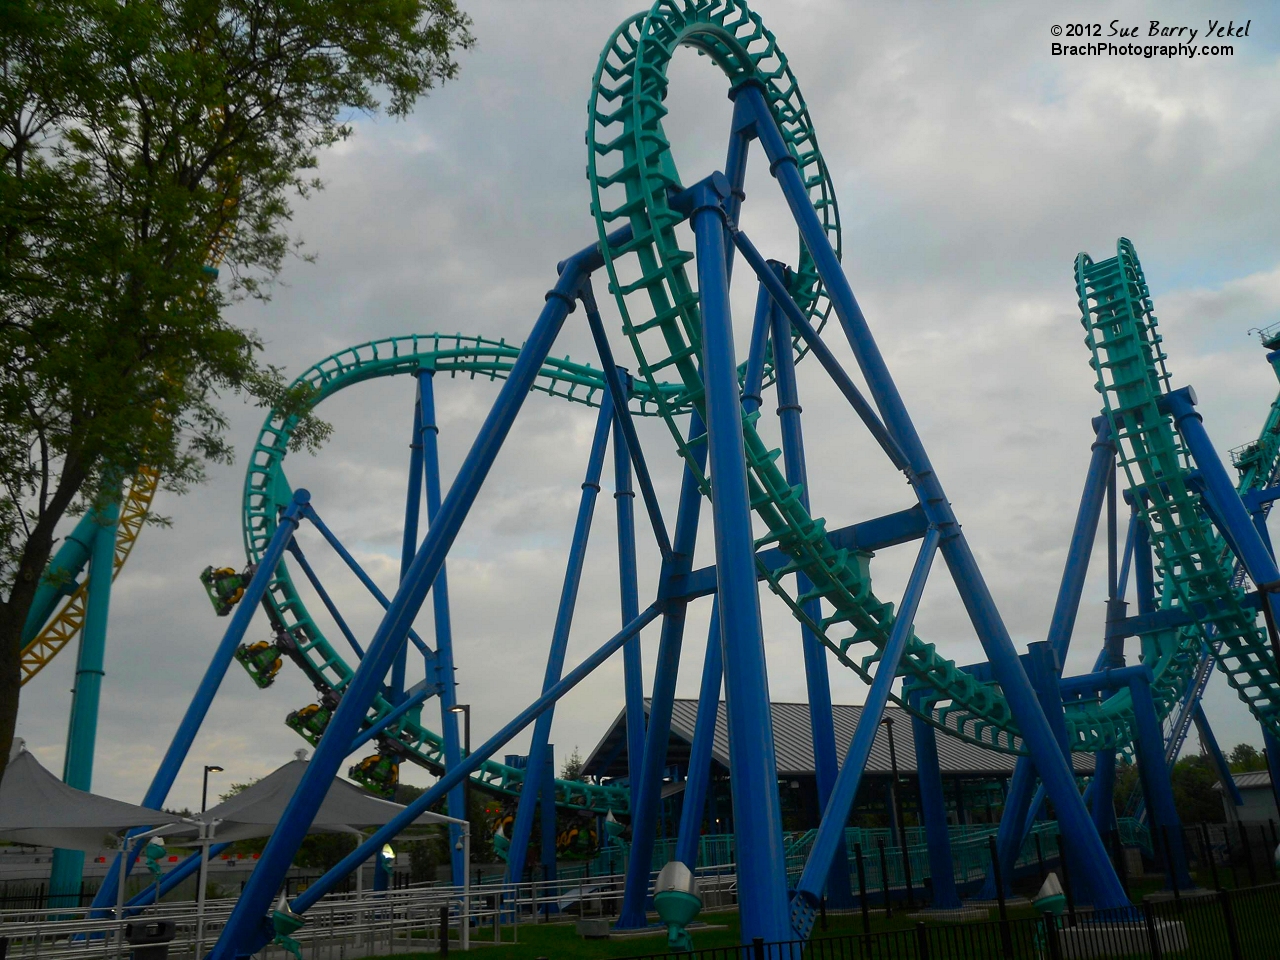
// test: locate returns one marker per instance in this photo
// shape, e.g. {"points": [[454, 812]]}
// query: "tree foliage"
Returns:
{"points": [[1245, 757], [572, 768], [141, 142]]}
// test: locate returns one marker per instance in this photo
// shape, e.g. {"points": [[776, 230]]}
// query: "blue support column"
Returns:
{"points": [[247, 919], [547, 810], [632, 664], [538, 748], [1009, 833], [817, 680], [212, 679], [1100, 876], [1210, 744], [1272, 746], [428, 440], [1154, 774], [704, 730], [1237, 525], [82, 732], [757, 813], [409, 537], [644, 815], [836, 814], [933, 806]]}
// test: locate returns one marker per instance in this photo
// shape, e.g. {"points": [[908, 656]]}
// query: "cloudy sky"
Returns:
{"points": [[971, 166]]}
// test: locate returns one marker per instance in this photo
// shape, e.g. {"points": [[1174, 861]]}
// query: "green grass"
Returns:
{"points": [[559, 940]]}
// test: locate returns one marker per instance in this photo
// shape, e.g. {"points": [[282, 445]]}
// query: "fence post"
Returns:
{"points": [[1208, 855], [922, 940], [757, 948], [1169, 861], [1231, 856], [1153, 941], [884, 879], [1228, 916], [1006, 935], [822, 913], [1248, 854], [1066, 883], [1122, 866], [1051, 936], [444, 930], [1271, 860], [862, 889]]}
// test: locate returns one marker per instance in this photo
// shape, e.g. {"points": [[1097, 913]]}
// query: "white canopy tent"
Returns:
{"points": [[255, 811], [38, 808]]}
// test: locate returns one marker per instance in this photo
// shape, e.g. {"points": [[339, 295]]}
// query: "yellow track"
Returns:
{"points": [[68, 621]]}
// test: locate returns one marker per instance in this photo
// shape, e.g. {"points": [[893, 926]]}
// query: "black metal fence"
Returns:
{"points": [[1226, 925]]}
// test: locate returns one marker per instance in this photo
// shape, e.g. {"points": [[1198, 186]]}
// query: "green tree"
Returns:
{"points": [[572, 767], [1193, 793], [1245, 757], [142, 141]]}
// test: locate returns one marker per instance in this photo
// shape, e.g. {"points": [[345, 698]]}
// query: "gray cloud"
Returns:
{"points": [[971, 167]]}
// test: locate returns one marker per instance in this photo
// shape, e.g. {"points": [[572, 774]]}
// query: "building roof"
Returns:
{"points": [[793, 744], [1249, 781]]}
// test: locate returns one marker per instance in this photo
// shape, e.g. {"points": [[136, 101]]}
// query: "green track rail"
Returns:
{"points": [[1196, 570], [267, 490]]}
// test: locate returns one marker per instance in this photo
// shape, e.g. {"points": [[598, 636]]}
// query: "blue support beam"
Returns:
{"points": [[933, 806], [1157, 788], [1099, 874], [547, 811], [836, 814], [1272, 747], [409, 537], [817, 680], [412, 698], [644, 815], [632, 663], [1234, 521], [247, 919], [353, 565], [538, 748], [223, 655], [613, 378], [295, 551], [1210, 744], [704, 730], [890, 530], [757, 814], [440, 668]]}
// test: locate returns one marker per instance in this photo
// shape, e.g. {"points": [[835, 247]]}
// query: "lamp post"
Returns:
{"points": [[896, 800], [203, 874], [465, 710], [204, 792]]}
